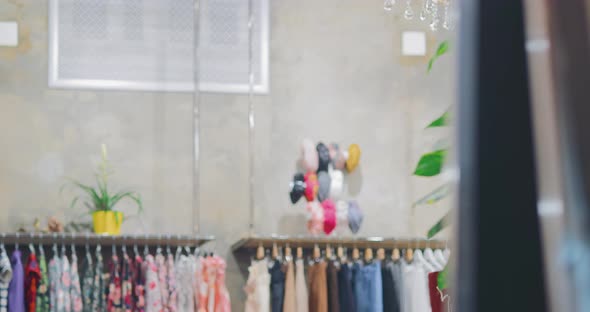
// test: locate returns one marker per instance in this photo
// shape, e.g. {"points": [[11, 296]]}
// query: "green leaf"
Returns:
{"points": [[438, 226], [436, 195], [430, 164], [443, 48], [126, 194], [441, 121], [442, 279]]}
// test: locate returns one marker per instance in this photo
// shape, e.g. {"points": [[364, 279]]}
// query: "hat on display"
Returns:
{"points": [[341, 213], [323, 157], [337, 156], [336, 183], [354, 156], [324, 189], [329, 216], [311, 186], [355, 216], [297, 188], [315, 221], [309, 155]]}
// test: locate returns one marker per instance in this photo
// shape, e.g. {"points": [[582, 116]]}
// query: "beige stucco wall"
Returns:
{"points": [[336, 75]]}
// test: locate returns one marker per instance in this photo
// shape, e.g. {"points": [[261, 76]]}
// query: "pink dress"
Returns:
{"points": [[222, 299], [153, 295]]}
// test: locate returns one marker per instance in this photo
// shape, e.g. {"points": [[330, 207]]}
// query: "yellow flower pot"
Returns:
{"points": [[107, 222]]}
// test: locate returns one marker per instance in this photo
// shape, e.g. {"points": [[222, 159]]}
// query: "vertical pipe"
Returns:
{"points": [[196, 209], [251, 118]]}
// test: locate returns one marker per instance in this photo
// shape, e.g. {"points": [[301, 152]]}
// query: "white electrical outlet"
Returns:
{"points": [[413, 43], [8, 34]]}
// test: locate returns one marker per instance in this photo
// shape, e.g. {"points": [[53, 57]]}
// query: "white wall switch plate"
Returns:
{"points": [[413, 43], [8, 34]]}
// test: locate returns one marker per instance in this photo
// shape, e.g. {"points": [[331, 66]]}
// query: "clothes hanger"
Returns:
{"points": [[368, 255], [430, 258], [355, 254], [260, 252], [2, 249], [409, 255], [299, 253], [288, 254], [63, 245], [31, 247], [16, 241], [395, 255], [419, 257], [317, 253], [328, 252], [340, 253], [440, 257], [275, 251], [380, 254]]}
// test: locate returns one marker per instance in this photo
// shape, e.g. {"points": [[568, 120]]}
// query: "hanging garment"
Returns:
{"points": [[197, 280], [127, 283], [87, 283], [203, 294], [43, 289], [332, 276], [185, 273], [64, 286], [210, 277], [114, 301], [277, 286], [172, 291], [435, 295], [32, 278], [345, 293], [396, 268], [222, 299], [138, 285], [16, 296], [258, 287], [415, 289], [301, 296], [98, 297], [153, 293], [368, 288], [75, 290], [54, 284], [390, 299], [318, 288], [289, 302], [163, 280], [5, 279]]}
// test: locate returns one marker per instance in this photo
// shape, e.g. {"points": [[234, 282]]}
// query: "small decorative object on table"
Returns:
{"points": [[101, 203]]}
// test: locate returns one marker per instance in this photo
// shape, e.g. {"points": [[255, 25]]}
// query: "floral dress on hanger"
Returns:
{"points": [[114, 303], [63, 291], [138, 285], [88, 283], [75, 290], [127, 283], [163, 281], [152, 281], [222, 299], [43, 289], [172, 291]]}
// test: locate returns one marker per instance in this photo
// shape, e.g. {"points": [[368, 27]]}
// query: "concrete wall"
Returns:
{"points": [[336, 75]]}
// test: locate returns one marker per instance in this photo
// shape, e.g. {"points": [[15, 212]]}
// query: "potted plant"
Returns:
{"points": [[101, 202]]}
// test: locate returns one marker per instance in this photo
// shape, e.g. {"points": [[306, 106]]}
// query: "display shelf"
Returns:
{"points": [[308, 242], [105, 240]]}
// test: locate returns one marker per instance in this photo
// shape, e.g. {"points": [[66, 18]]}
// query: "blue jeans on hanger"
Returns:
{"points": [[368, 289]]}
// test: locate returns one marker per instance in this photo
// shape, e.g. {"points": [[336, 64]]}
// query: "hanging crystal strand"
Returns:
{"points": [[409, 13], [447, 20], [426, 5], [388, 5], [435, 17]]}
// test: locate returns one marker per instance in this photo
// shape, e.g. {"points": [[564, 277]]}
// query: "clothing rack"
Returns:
{"points": [[105, 240], [309, 242]]}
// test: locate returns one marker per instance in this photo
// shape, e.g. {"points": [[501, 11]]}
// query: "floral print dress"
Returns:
{"points": [[127, 283], [163, 280], [114, 302], [54, 284], [98, 300], [75, 290], [88, 284], [153, 288], [64, 302], [172, 291], [138, 285], [43, 289]]}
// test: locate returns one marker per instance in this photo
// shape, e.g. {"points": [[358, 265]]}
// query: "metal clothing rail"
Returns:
{"points": [[308, 242], [105, 240]]}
